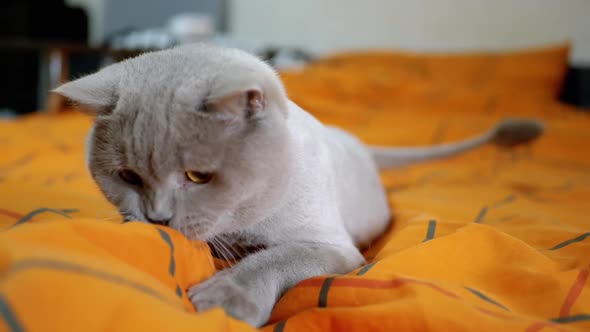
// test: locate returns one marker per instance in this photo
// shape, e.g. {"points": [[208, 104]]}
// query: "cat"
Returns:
{"points": [[204, 140]]}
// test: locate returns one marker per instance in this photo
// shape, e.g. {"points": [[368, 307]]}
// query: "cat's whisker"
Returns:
{"points": [[223, 251], [209, 255], [217, 249], [229, 249], [106, 216], [220, 250], [241, 250], [185, 231]]}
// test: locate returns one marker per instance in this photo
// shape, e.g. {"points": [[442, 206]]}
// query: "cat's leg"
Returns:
{"points": [[249, 290]]}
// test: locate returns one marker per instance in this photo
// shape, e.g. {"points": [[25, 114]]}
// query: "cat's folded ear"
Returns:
{"points": [[96, 93], [247, 103]]}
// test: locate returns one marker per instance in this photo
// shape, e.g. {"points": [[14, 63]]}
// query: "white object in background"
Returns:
{"points": [[155, 38], [191, 27]]}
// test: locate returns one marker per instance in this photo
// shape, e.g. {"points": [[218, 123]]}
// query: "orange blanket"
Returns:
{"points": [[491, 240]]}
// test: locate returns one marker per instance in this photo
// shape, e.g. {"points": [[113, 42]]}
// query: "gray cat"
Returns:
{"points": [[204, 140]]}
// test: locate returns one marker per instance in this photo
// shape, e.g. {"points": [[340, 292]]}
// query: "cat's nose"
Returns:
{"points": [[159, 221]]}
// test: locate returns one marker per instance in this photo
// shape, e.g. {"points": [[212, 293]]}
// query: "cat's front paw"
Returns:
{"points": [[222, 291]]}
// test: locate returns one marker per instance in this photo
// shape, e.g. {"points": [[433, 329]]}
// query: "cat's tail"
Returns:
{"points": [[506, 134]]}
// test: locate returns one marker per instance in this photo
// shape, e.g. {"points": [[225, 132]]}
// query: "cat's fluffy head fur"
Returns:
{"points": [[190, 108]]}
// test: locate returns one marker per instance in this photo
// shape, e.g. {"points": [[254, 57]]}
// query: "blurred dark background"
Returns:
{"points": [[38, 20]]}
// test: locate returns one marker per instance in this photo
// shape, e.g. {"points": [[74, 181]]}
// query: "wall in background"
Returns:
{"points": [[109, 16], [329, 25]]}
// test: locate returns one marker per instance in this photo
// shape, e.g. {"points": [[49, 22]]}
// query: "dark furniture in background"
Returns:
{"points": [[576, 89], [48, 21]]}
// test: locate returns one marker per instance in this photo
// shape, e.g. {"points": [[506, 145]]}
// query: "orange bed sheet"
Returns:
{"points": [[492, 240]]}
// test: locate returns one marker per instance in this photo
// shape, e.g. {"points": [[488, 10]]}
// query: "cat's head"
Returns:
{"points": [[192, 137]]}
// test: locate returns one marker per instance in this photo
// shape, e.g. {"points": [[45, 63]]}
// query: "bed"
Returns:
{"points": [[493, 240]]}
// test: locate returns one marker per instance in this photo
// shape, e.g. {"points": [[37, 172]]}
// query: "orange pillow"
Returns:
{"points": [[534, 73]]}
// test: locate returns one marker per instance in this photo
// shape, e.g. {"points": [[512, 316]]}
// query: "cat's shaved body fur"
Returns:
{"points": [[309, 193]]}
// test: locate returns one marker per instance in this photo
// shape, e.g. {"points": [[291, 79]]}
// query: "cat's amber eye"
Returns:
{"points": [[130, 177], [199, 177]]}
